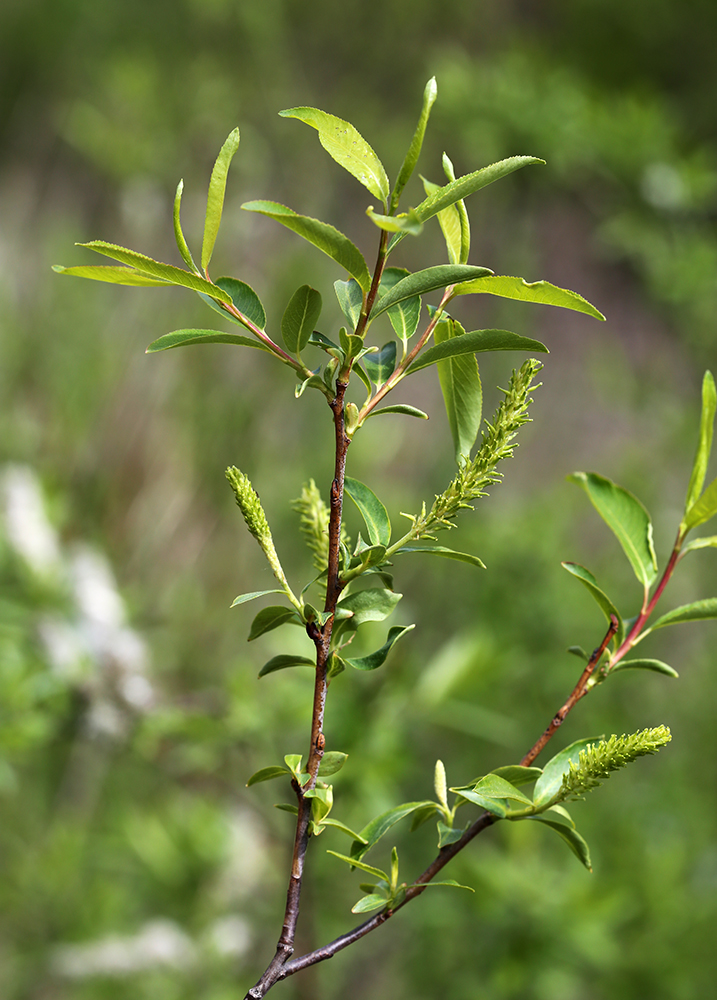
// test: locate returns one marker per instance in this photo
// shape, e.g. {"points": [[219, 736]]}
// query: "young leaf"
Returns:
{"points": [[441, 550], [271, 618], [405, 408], [293, 762], [450, 222], [462, 391], [215, 196], [267, 774], [404, 223], [288, 808], [603, 601], [329, 821], [179, 235], [328, 239], [332, 762], [516, 774], [566, 830], [380, 365], [473, 343], [372, 511], [494, 806], [709, 542], [697, 611], [371, 902], [534, 291], [626, 517], [243, 598], [380, 825], [704, 446], [449, 881], [371, 605], [113, 275], [414, 150], [405, 315], [283, 661], [375, 660], [702, 510], [245, 299], [462, 215], [422, 816], [350, 299], [300, 317], [657, 665], [424, 281], [356, 863], [447, 835], [347, 146], [184, 338], [550, 782], [155, 269], [498, 787]]}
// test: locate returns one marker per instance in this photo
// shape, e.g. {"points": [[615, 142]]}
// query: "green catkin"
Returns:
{"points": [[598, 760]]}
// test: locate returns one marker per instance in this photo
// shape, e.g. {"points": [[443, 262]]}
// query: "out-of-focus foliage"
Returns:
{"points": [[133, 863]]}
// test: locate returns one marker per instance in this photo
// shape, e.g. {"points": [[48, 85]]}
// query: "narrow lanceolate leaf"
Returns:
{"points": [[375, 660], [215, 197], [496, 807], [380, 364], [347, 146], [283, 661], [355, 863], [697, 611], [328, 239], [462, 391], [450, 222], [657, 665], [414, 150], [243, 598], [371, 605], [626, 517], [404, 223], [405, 315], [155, 269], [702, 510], [474, 343], [448, 881], [184, 250], [405, 408], [267, 774], [704, 445], [300, 317], [182, 338], [462, 214], [565, 828], [112, 275], [710, 542], [462, 187], [271, 618], [548, 785], [380, 825], [541, 292], [330, 821], [516, 774], [424, 281], [603, 601], [372, 511], [370, 902], [350, 298], [441, 550]]}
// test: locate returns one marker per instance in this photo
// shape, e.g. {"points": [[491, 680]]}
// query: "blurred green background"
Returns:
{"points": [[134, 863]]}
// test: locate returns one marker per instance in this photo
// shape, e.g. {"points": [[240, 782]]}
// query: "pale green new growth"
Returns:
{"points": [[597, 761], [498, 443], [314, 523]]}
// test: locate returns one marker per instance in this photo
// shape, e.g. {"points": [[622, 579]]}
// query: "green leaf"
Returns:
{"points": [[179, 235], [497, 787], [473, 343], [422, 816], [113, 275], [380, 825], [448, 881], [406, 222], [245, 299], [626, 517], [243, 598], [494, 806], [155, 269], [697, 611], [441, 550], [184, 338], [603, 601], [288, 808], [570, 835], [371, 902], [332, 762], [271, 618], [372, 511], [374, 660], [347, 146], [447, 835], [215, 196], [293, 762], [267, 774], [356, 863], [300, 317], [380, 365], [709, 542], [405, 315], [350, 299], [550, 782], [414, 150], [405, 408], [371, 605], [462, 215], [464, 186], [702, 510], [328, 239], [516, 774], [657, 665], [541, 292], [462, 391], [424, 281], [283, 661], [329, 821], [704, 446], [450, 222]]}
